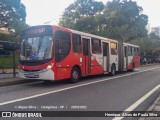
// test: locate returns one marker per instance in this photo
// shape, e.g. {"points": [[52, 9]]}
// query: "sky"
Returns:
{"points": [[49, 11]]}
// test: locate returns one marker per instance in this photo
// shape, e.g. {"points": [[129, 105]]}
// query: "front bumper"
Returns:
{"points": [[41, 75]]}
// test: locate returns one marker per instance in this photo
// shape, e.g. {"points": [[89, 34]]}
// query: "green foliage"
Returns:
{"points": [[12, 16], [119, 19], [155, 42], [150, 45], [8, 61], [10, 11], [80, 14], [124, 20], [4, 37]]}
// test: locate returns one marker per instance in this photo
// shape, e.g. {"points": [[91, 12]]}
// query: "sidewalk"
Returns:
{"points": [[8, 79], [7, 70], [7, 75]]}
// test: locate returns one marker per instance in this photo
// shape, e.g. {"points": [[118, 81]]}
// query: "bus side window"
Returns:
{"points": [[76, 42], [125, 53], [128, 51], [133, 52], [96, 46], [138, 51], [62, 44], [113, 48]]}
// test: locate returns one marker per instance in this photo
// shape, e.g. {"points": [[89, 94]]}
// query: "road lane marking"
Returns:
{"points": [[138, 102], [76, 86]]}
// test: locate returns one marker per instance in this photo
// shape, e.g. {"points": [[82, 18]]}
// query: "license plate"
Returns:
{"points": [[32, 75]]}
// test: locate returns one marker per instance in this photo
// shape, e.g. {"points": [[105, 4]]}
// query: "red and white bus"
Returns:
{"points": [[55, 53]]}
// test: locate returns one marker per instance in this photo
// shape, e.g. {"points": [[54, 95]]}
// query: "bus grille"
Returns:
{"points": [[31, 75]]}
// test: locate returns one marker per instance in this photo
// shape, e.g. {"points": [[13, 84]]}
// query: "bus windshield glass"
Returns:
{"points": [[36, 48]]}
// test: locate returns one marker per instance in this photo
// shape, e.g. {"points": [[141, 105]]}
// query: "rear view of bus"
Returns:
{"points": [[36, 57]]}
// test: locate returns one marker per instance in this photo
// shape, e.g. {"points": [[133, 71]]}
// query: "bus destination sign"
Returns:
{"points": [[39, 30], [35, 31]]}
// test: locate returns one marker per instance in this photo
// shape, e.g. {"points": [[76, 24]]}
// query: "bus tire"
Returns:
{"points": [[133, 68], [75, 75], [113, 70]]}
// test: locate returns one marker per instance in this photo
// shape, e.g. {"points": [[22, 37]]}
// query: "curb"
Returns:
{"points": [[14, 81]]}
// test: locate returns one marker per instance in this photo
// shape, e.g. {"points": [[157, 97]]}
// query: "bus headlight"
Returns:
{"points": [[50, 66]]}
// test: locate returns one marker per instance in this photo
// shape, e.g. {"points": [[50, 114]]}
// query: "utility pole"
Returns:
{"points": [[14, 63]]}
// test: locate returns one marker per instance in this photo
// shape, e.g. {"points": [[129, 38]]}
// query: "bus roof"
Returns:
{"points": [[91, 35], [87, 34]]}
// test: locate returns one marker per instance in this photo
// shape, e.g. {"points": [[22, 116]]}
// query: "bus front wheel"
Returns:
{"points": [[75, 75]]}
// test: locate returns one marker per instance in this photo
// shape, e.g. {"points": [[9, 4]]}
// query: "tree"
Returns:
{"points": [[12, 14], [120, 19], [124, 20], [150, 45], [80, 15], [10, 11], [155, 40]]}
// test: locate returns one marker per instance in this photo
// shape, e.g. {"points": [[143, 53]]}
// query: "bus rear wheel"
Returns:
{"points": [[133, 68], [113, 70], [75, 75]]}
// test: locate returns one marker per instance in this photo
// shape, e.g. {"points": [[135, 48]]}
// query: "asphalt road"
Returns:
{"points": [[96, 93]]}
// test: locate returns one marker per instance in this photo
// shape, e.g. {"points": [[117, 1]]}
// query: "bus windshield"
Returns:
{"points": [[36, 48]]}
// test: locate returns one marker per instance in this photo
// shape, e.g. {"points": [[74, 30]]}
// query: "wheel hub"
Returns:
{"points": [[75, 75]]}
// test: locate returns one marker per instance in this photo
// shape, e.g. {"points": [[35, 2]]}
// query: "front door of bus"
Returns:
{"points": [[86, 56], [105, 57]]}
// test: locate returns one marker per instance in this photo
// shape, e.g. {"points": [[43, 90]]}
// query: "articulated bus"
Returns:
{"points": [[50, 52]]}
